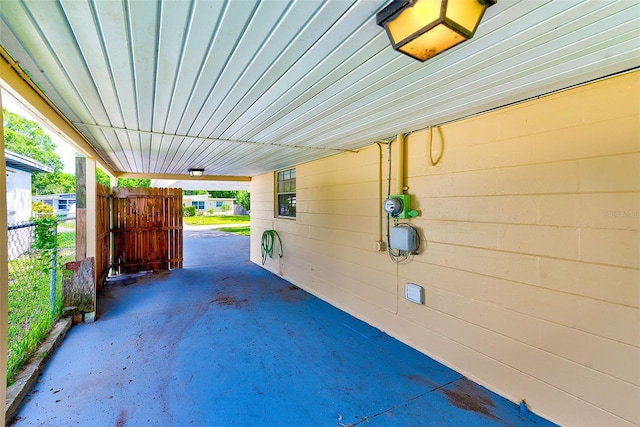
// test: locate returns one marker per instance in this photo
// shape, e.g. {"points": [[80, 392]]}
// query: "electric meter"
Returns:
{"points": [[398, 205], [393, 206]]}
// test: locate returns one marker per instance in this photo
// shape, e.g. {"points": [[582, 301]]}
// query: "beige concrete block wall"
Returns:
{"points": [[531, 266]]}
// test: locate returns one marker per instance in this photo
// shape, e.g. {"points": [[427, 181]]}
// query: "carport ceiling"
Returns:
{"points": [[244, 87]]}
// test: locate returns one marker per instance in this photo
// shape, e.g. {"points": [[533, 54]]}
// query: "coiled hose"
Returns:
{"points": [[268, 242]]}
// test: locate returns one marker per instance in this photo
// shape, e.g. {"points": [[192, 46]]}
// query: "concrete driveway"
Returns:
{"points": [[223, 342]]}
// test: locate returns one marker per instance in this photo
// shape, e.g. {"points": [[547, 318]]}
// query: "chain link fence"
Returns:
{"points": [[37, 252]]}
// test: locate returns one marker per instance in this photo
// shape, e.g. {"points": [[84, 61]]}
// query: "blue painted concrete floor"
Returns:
{"points": [[223, 342]]}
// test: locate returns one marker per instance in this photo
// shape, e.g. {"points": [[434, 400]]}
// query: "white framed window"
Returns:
{"points": [[286, 193], [199, 204]]}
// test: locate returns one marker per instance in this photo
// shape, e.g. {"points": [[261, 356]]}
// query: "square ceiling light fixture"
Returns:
{"points": [[424, 28], [196, 171]]}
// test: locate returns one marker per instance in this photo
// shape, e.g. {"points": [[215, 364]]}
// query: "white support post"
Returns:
{"points": [[4, 274]]}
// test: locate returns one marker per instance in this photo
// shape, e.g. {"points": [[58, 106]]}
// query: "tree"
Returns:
{"points": [[229, 194], [134, 183], [102, 178], [243, 198], [53, 183], [27, 137]]}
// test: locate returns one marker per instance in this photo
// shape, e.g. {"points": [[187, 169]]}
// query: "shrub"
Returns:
{"points": [[189, 211], [38, 208], [45, 232]]}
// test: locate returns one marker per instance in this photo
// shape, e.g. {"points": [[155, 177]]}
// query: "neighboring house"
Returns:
{"points": [[19, 170], [205, 203], [63, 204]]}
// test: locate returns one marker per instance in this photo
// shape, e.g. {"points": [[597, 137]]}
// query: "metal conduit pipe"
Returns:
{"points": [[380, 193], [400, 183]]}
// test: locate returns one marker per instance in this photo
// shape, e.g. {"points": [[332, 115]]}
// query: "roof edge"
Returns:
{"points": [[24, 163]]}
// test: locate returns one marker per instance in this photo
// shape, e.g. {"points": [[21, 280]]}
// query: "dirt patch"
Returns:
{"points": [[471, 397], [420, 380], [106, 292], [227, 300], [292, 293], [14, 421], [122, 419], [161, 274], [290, 288]]}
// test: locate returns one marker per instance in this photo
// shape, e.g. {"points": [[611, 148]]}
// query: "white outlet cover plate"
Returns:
{"points": [[414, 293]]}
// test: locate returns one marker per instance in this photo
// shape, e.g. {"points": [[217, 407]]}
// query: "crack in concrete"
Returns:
{"points": [[369, 418]]}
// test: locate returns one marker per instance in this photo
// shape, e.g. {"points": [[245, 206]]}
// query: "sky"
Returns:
{"points": [[64, 150]]}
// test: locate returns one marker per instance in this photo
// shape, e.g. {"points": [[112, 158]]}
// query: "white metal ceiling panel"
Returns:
{"points": [[242, 87], [206, 54], [259, 29], [446, 89], [314, 77], [281, 66], [268, 61], [112, 26], [318, 55]]}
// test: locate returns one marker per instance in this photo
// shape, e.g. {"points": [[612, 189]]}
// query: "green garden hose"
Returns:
{"points": [[268, 242]]}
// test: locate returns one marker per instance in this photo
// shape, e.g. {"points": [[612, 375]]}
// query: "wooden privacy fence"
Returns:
{"points": [[146, 224], [103, 236]]}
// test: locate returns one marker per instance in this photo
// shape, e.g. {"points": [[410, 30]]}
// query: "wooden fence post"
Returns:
{"points": [[81, 208], [79, 289]]}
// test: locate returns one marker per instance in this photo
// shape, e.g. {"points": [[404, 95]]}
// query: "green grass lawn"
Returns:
{"points": [[217, 220], [244, 231], [67, 224], [66, 239], [30, 316]]}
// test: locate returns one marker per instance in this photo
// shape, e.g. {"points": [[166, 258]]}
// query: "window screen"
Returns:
{"points": [[286, 193]]}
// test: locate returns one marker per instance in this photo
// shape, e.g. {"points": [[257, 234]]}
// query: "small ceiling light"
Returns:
{"points": [[196, 171], [424, 28]]}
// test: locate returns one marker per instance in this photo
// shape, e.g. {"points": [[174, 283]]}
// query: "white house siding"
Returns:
{"points": [[18, 196], [531, 265], [62, 204], [211, 204]]}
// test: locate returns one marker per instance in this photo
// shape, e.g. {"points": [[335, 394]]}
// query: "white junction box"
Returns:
{"points": [[414, 293]]}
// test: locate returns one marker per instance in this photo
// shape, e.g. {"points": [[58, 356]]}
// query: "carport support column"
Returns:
{"points": [[4, 273], [79, 291]]}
